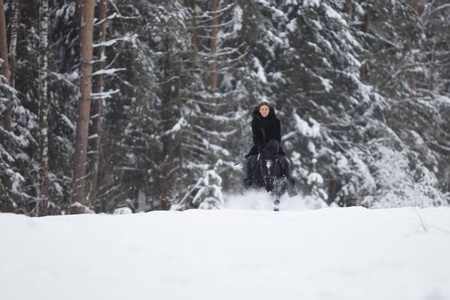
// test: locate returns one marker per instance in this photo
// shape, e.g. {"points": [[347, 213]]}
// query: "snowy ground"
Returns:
{"points": [[235, 253]]}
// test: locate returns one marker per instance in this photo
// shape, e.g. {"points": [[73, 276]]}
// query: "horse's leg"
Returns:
{"points": [[276, 195], [273, 189], [276, 204]]}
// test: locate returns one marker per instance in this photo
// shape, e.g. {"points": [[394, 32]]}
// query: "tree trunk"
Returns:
{"points": [[5, 66], [79, 12], [79, 169], [95, 129], [366, 30], [43, 111], [293, 85], [167, 117], [13, 46], [6, 204], [433, 62], [214, 31], [192, 120], [180, 134], [415, 5], [349, 6]]}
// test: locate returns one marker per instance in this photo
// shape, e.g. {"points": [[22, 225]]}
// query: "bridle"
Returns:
{"points": [[272, 177]]}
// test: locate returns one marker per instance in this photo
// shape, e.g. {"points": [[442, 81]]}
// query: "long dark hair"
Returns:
{"points": [[258, 106]]}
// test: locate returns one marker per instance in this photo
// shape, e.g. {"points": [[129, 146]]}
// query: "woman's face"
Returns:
{"points": [[264, 110]]}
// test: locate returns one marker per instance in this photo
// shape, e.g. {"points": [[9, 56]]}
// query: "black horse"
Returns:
{"points": [[268, 172]]}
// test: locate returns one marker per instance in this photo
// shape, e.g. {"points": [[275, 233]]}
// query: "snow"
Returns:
{"points": [[126, 38], [67, 121], [260, 73], [331, 13], [238, 14], [179, 125], [315, 178], [305, 129], [292, 25], [210, 194], [108, 71], [331, 253], [326, 83], [311, 3], [104, 95]]}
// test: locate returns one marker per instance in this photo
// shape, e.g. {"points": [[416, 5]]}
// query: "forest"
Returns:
{"points": [[146, 104]]}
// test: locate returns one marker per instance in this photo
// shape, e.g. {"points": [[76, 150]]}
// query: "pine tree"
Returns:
{"points": [[178, 83], [79, 173], [96, 118], [6, 184]]}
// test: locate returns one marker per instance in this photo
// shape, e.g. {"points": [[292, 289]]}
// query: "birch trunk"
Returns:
{"points": [[84, 103], [363, 67], [214, 31], [415, 5], [43, 107]]}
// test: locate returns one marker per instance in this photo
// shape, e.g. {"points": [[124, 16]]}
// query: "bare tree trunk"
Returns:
{"points": [[167, 116], [6, 204], [192, 120], [180, 134], [433, 61], [349, 6], [366, 30], [214, 31], [43, 111], [293, 85], [436, 39], [13, 46], [81, 139], [5, 66], [214, 107], [95, 129], [79, 12], [415, 5]]}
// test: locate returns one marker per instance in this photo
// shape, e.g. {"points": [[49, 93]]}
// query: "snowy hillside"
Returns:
{"points": [[332, 253]]}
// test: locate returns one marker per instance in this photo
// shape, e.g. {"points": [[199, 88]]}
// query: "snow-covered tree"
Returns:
{"points": [[361, 89], [208, 193]]}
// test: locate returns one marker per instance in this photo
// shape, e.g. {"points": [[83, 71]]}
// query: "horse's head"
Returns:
{"points": [[269, 149], [269, 163]]}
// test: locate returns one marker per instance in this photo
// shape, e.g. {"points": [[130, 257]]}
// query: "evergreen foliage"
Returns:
{"points": [[361, 89]]}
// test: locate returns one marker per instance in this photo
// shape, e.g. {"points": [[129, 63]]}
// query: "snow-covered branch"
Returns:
{"points": [[104, 95], [126, 38]]}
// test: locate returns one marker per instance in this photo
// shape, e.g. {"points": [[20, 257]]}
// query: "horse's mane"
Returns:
{"points": [[271, 148]]}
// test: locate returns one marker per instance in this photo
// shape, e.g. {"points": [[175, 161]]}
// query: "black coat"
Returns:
{"points": [[264, 130]]}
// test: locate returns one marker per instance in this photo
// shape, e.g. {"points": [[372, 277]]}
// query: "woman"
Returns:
{"points": [[266, 127]]}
